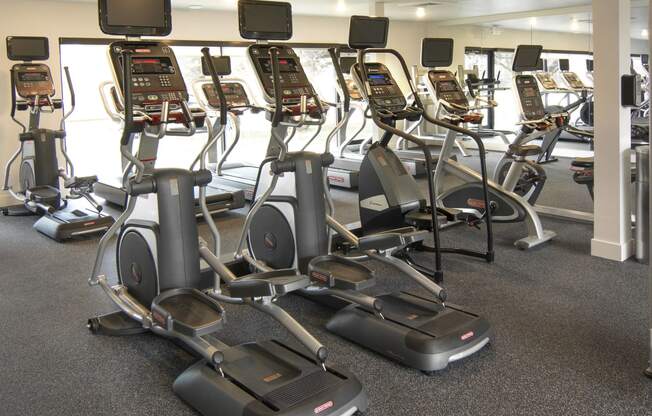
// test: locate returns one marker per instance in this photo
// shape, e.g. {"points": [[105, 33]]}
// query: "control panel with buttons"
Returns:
{"points": [[294, 82], [529, 97], [234, 93], [448, 89], [156, 78], [32, 80], [384, 92]]}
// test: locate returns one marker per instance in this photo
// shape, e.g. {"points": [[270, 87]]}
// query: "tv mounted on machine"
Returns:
{"points": [[136, 18], [222, 65], [27, 48], [542, 65], [368, 32], [436, 52], [589, 65], [564, 65], [265, 20], [527, 58]]}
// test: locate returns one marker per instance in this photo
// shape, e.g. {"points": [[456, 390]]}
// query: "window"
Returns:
{"points": [[93, 136]]}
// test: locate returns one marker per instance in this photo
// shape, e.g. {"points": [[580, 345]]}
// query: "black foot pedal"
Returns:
{"points": [[115, 324]]}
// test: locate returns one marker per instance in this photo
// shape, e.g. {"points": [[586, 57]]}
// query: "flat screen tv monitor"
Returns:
{"points": [[645, 59], [436, 52], [589, 65], [265, 20], [527, 58], [27, 48], [564, 65], [346, 63], [222, 65], [136, 17], [368, 32]]}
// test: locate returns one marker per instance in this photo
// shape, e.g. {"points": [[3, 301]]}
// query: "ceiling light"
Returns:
{"points": [[421, 12], [575, 25], [533, 21], [645, 33], [341, 6], [195, 7]]}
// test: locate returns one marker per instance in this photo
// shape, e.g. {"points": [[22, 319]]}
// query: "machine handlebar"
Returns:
{"points": [[276, 77], [129, 127], [216, 84], [335, 57]]}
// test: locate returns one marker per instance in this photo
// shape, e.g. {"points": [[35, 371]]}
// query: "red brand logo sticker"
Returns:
{"points": [[323, 407], [467, 336], [475, 203]]}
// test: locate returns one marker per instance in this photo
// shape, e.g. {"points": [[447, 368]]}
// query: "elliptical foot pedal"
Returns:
{"points": [[340, 273], [188, 312], [115, 324]]}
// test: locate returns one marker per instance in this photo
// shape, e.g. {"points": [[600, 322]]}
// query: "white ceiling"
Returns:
{"points": [[573, 22], [551, 15]]}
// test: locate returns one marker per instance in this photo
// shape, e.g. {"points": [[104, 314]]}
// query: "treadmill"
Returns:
{"points": [[111, 188], [231, 176]]}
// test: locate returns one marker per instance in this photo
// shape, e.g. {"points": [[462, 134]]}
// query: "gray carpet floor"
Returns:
{"points": [[571, 330]]}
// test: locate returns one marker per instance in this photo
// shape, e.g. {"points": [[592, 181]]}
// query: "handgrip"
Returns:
{"points": [[327, 159], [13, 93], [335, 57], [216, 84], [278, 93], [128, 99], [278, 167], [70, 87]]}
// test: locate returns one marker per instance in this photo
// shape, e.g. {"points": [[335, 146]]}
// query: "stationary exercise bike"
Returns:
{"points": [[160, 287], [39, 188]]}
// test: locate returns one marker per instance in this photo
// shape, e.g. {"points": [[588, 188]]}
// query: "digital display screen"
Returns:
{"points": [[222, 65], [368, 32], [284, 65], [379, 79], [27, 48], [589, 65], [265, 20], [530, 92], [527, 58], [436, 52], [446, 86], [141, 66], [136, 13], [346, 62], [33, 76]]}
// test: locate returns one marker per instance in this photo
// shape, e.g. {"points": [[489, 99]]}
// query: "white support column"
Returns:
{"points": [[611, 34]]}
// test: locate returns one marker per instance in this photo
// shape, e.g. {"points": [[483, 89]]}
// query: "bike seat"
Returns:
{"points": [[340, 273], [525, 149], [80, 182], [583, 162], [268, 284], [188, 312], [397, 237]]}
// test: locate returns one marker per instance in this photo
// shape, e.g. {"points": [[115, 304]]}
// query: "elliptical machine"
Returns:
{"points": [[39, 190], [290, 226], [507, 205], [160, 287]]}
